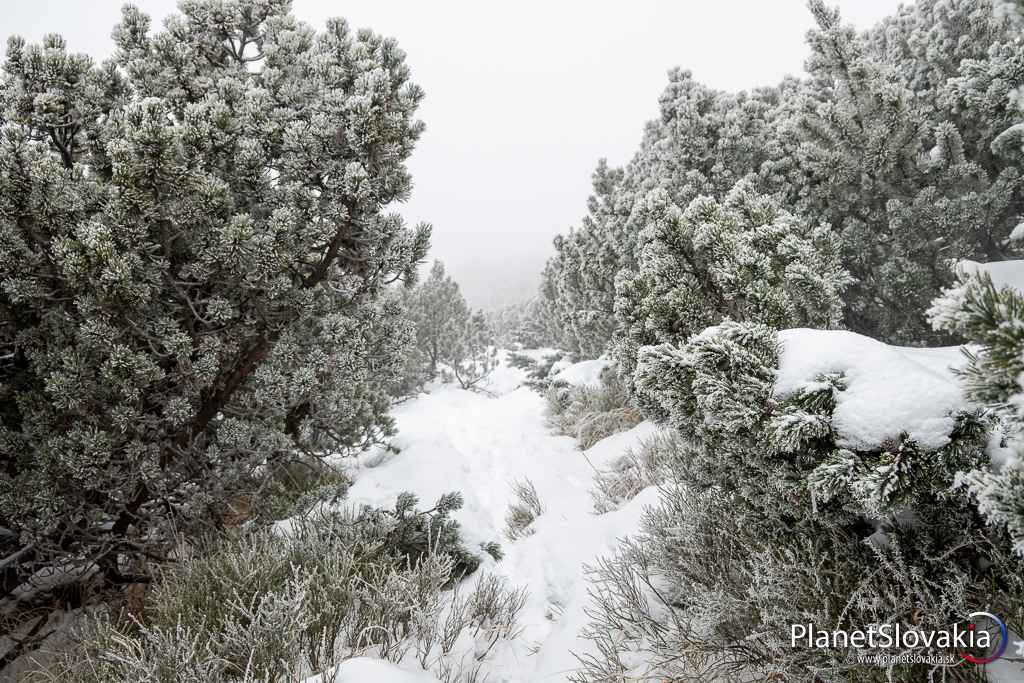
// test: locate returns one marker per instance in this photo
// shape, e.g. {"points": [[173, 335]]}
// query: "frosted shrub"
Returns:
{"points": [[589, 414], [276, 606], [767, 520], [521, 513], [634, 471], [576, 294], [439, 312], [476, 356], [121, 650], [706, 594], [291, 487], [210, 292], [744, 257], [519, 326], [905, 141], [991, 318]]}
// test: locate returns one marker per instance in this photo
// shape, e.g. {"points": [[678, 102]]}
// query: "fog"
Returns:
{"points": [[522, 99]]}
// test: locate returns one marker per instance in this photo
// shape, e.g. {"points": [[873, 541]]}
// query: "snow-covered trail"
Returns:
{"points": [[452, 439]]}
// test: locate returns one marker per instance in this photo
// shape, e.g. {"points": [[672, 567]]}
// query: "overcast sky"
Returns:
{"points": [[522, 99]]}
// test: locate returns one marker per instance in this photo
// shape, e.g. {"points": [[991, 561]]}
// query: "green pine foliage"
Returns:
{"points": [[768, 519], [904, 140], [742, 259], [475, 355], [898, 156], [440, 314], [896, 163], [452, 341], [993, 320], [577, 290], [193, 256]]}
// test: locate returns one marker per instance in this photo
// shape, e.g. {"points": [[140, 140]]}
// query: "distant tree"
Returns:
{"points": [[519, 325], [451, 341], [440, 314], [475, 355], [193, 250]]}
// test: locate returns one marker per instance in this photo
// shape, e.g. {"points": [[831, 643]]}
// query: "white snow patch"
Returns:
{"points": [[456, 440], [558, 366], [1003, 670], [1003, 273], [366, 669], [539, 354], [583, 374], [889, 389], [504, 378]]}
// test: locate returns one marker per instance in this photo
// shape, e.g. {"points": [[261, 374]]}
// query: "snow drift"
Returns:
{"points": [[889, 389]]}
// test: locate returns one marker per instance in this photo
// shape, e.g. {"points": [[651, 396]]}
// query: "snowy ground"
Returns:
{"points": [[451, 439], [454, 440]]}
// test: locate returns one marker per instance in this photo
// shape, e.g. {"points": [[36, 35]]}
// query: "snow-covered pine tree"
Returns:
{"points": [[993, 319], [743, 258], [781, 509], [895, 154], [440, 314], [475, 356], [192, 251], [532, 332], [451, 340], [703, 142], [903, 140], [518, 325], [961, 59], [579, 280]]}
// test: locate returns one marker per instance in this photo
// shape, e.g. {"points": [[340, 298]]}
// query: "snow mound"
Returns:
{"points": [[889, 389], [504, 378], [539, 354], [558, 366], [1003, 273], [583, 374]]}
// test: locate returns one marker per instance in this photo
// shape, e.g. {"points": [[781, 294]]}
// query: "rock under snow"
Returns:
{"points": [[889, 389]]}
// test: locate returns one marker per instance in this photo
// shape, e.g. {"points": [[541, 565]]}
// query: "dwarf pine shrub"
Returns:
{"points": [[991, 318], [537, 371], [195, 257], [768, 519]]}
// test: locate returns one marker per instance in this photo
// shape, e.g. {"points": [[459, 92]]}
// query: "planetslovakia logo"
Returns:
{"points": [[1000, 647], [984, 632]]}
